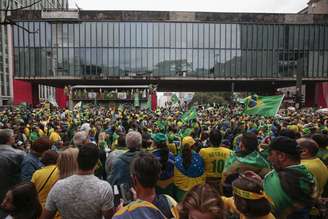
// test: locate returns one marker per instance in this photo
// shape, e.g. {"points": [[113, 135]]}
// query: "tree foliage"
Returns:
{"points": [[211, 97]]}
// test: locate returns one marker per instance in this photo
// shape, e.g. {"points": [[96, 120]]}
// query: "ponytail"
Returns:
{"points": [[186, 156], [164, 155]]}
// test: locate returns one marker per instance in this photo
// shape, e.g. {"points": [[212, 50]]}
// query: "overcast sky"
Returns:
{"points": [[270, 6]]}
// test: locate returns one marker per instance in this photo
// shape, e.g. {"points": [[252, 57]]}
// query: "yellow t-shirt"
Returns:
{"points": [[229, 205], [319, 171], [54, 137], [214, 158], [39, 178]]}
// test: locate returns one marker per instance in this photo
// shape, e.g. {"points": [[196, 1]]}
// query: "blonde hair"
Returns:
{"points": [[102, 137], [67, 162], [203, 198]]}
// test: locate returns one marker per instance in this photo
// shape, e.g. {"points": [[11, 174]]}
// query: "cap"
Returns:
{"points": [[159, 137], [188, 140], [285, 145]]}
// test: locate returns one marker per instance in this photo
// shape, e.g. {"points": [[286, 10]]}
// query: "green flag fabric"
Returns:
{"points": [[190, 115], [136, 100], [263, 105], [149, 103], [174, 98]]}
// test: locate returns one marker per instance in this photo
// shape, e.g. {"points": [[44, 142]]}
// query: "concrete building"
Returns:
{"points": [[179, 51], [6, 52]]}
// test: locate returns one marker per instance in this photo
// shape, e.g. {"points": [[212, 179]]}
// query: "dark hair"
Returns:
{"points": [[121, 141], [290, 181], [146, 168], [164, 154], [289, 133], [250, 142], [88, 156], [251, 208], [321, 139], [41, 145], [215, 137], [25, 201], [186, 155], [309, 144], [49, 157]]}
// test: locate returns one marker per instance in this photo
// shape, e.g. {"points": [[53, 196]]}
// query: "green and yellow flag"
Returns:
{"points": [[262, 105], [190, 115], [174, 98]]}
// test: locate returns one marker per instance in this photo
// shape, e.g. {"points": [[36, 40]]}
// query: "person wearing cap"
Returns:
{"points": [[214, 157], [189, 169], [249, 200], [166, 158], [290, 185], [309, 149]]}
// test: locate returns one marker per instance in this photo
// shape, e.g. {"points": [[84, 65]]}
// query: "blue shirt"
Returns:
{"points": [[30, 164]]}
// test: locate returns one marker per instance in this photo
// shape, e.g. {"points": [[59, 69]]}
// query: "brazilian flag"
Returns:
{"points": [[262, 105], [190, 115]]}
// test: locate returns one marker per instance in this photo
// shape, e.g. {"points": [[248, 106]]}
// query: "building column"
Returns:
{"points": [[310, 95], [35, 94]]}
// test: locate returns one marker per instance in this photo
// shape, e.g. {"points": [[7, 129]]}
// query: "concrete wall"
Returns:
{"points": [[318, 7]]}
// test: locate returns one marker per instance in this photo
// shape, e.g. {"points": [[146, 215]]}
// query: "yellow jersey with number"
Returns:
{"points": [[214, 158]]}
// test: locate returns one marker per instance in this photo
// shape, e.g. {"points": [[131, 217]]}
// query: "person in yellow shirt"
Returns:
{"points": [[54, 136], [46, 177], [214, 157], [249, 199], [309, 149]]}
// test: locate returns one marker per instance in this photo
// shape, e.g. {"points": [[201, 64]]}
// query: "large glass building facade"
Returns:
{"points": [[216, 48]]}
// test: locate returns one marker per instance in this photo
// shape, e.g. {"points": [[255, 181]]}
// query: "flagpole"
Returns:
{"points": [[283, 96]]}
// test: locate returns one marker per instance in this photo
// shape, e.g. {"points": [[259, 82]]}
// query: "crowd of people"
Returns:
{"points": [[101, 162]]}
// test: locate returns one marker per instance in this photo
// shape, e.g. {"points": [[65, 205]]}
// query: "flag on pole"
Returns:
{"points": [[149, 103], [136, 99], [262, 105], [174, 99], [190, 115]]}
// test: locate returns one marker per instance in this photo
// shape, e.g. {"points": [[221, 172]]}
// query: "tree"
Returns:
{"points": [[211, 97], [6, 20]]}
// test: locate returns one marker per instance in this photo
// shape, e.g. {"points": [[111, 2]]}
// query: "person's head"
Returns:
{"points": [[215, 137], [309, 148], [7, 136], [249, 197], [133, 140], [49, 157], [201, 202], [80, 138], [41, 145], [121, 141], [187, 144], [248, 143], [67, 162], [102, 137], [145, 170], [321, 139], [88, 157], [22, 202], [284, 152]]}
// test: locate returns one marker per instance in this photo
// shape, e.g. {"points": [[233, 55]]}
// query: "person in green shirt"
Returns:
{"points": [[290, 185]]}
